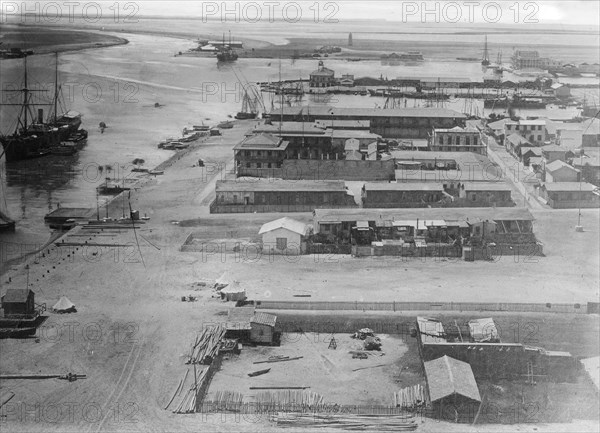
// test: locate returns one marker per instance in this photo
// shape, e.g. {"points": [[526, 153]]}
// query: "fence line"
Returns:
{"points": [[582, 308]]}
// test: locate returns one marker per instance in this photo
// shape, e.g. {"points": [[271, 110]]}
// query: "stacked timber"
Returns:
{"points": [[227, 401], [347, 421], [411, 397], [206, 345], [297, 400], [187, 401]]}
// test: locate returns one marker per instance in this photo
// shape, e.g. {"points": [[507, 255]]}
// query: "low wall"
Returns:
{"points": [[316, 169], [265, 208], [426, 306]]}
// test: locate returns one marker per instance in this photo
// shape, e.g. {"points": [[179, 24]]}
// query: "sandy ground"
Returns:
{"points": [[325, 371], [131, 331]]}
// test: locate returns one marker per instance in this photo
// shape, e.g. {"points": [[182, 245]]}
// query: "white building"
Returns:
{"points": [[284, 236]]}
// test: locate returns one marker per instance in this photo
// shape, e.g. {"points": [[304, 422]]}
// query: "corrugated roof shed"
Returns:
{"points": [[239, 318], [431, 330], [448, 376], [264, 319], [16, 295]]}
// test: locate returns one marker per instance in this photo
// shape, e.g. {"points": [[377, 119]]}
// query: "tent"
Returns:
{"points": [[223, 281], [233, 292], [64, 306]]}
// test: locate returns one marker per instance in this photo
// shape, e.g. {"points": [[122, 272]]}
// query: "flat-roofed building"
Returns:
{"points": [[569, 195], [389, 123], [457, 139], [262, 195], [486, 194], [400, 195]]}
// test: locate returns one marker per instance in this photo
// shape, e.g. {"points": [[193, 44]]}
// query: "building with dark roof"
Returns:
{"points": [[401, 195], [260, 151], [389, 123], [569, 195], [16, 302], [248, 196]]}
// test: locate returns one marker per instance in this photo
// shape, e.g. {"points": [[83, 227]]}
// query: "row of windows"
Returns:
{"points": [[457, 140], [261, 165], [525, 127]]}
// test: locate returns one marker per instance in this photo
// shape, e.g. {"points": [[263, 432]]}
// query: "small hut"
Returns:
{"points": [[17, 302]]}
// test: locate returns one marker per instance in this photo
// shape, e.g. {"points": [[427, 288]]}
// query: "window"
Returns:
{"points": [[258, 165], [441, 140], [468, 141], [516, 127], [474, 141], [247, 165], [269, 165], [539, 138], [281, 243], [473, 197]]}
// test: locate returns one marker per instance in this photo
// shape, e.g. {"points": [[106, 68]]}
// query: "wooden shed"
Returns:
{"points": [[18, 302], [262, 328]]}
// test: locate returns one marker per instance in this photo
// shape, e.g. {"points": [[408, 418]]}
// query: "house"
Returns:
{"points": [[534, 130], [497, 128], [451, 384], [18, 302], [526, 153], [284, 236], [322, 77], [457, 139], [554, 152], [401, 195], [568, 195], [339, 137], [486, 194], [347, 80], [268, 195], [259, 152], [589, 165], [559, 171], [262, 328], [560, 90], [514, 142]]}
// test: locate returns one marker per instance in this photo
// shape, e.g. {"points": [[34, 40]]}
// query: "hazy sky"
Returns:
{"points": [[553, 13]]}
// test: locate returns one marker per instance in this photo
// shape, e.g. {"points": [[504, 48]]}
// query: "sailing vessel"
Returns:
{"points": [[33, 137], [227, 54], [485, 61]]}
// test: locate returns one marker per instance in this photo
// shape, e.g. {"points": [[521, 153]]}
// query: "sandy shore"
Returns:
{"points": [[44, 39]]}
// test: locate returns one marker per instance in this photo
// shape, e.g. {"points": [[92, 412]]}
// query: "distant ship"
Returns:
{"points": [[227, 53], [33, 137], [485, 60], [514, 102], [412, 56]]}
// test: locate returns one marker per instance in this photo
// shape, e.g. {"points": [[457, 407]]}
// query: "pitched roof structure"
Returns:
{"points": [[448, 376], [569, 186], [239, 318], [262, 141], [264, 319], [16, 295], [285, 223], [557, 165]]}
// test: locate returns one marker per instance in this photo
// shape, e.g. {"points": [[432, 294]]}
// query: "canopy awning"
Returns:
{"points": [[362, 225]]}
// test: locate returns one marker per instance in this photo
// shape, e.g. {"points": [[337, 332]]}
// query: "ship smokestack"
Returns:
{"points": [[40, 115]]}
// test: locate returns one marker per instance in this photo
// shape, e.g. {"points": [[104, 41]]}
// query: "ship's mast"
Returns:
{"points": [[56, 87], [25, 94]]}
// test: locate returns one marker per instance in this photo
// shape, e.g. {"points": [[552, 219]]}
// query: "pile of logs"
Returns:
{"points": [[206, 345], [347, 421], [300, 400], [411, 397], [188, 402]]}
